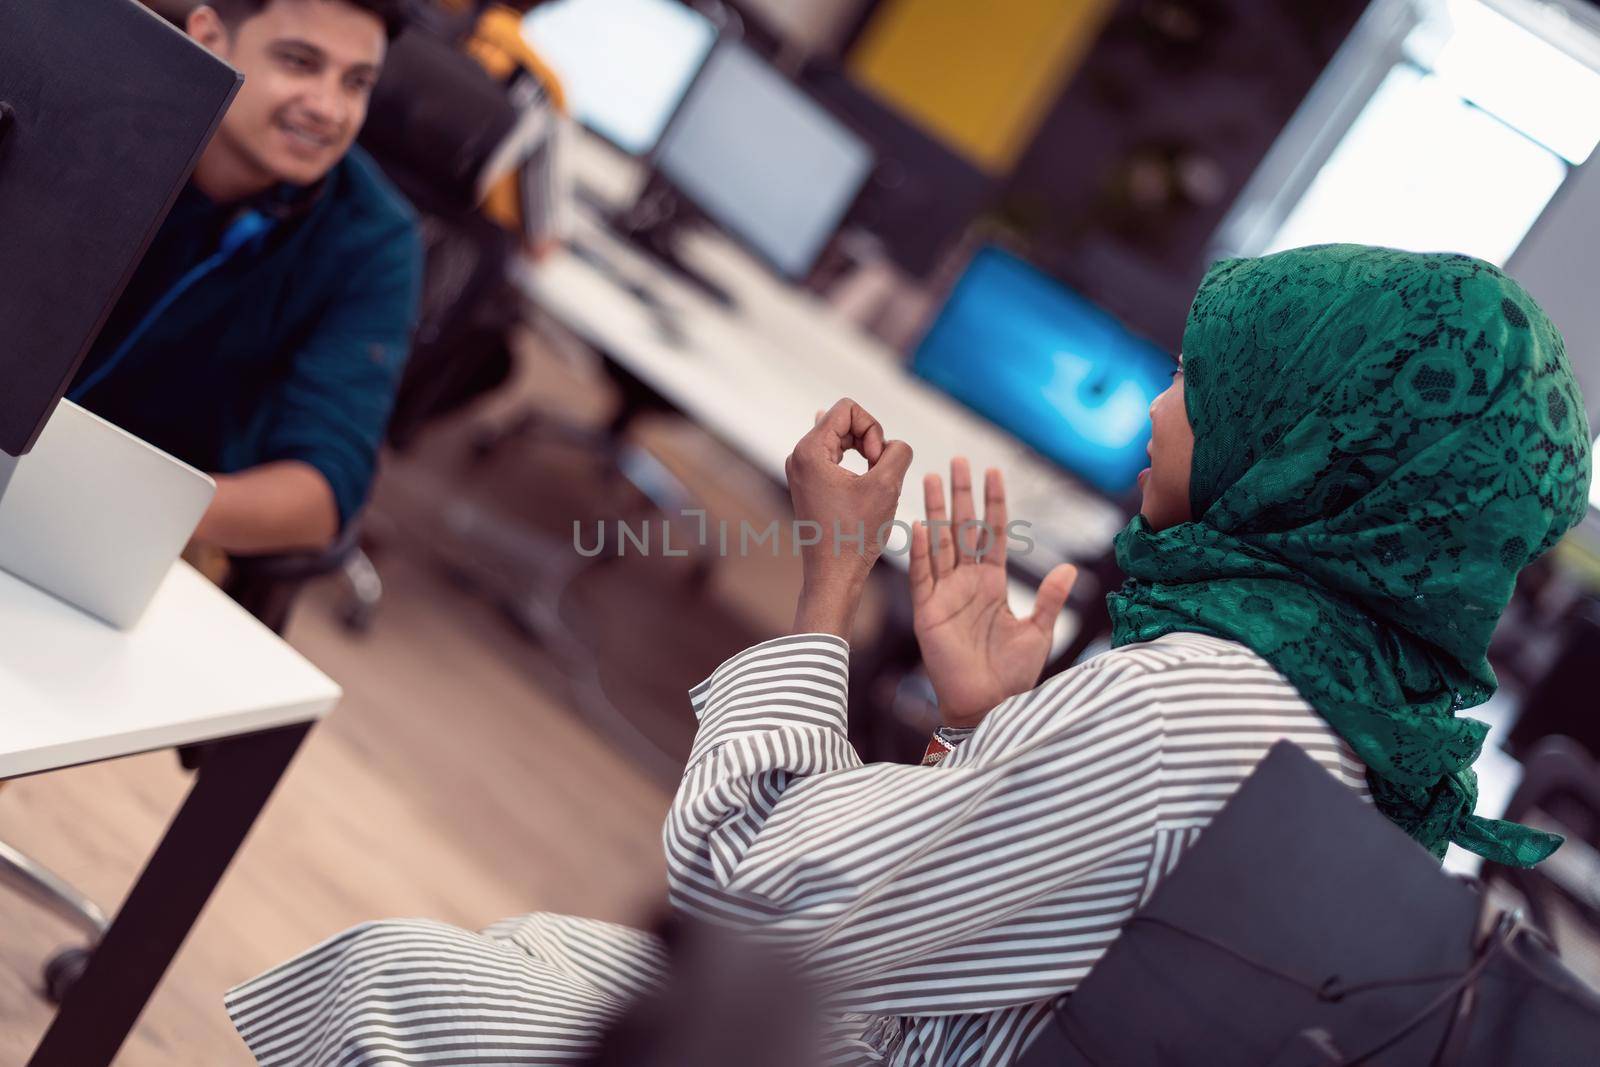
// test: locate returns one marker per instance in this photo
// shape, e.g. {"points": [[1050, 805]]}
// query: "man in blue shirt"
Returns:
{"points": [[263, 335]]}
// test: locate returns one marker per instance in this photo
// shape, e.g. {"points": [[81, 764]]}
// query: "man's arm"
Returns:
{"points": [[325, 421], [286, 506]]}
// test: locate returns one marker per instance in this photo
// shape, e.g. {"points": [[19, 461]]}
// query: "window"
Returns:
{"points": [[1594, 486], [1442, 125]]}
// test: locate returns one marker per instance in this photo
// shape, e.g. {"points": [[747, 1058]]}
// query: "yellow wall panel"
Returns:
{"points": [[980, 74]]}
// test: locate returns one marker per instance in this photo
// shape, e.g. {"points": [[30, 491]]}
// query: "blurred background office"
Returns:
{"points": [[659, 236]]}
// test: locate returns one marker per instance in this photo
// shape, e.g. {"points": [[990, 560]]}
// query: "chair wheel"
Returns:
{"points": [[63, 970]]}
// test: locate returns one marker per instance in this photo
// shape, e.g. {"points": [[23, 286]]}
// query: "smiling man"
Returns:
{"points": [[263, 335]]}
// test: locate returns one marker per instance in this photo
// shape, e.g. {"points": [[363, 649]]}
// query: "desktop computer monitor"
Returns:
{"points": [[624, 64], [1049, 366], [763, 160], [104, 109], [923, 194]]}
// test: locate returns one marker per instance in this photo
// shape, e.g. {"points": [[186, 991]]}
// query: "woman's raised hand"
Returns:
{"points": [[976, 652], [842, 505]]}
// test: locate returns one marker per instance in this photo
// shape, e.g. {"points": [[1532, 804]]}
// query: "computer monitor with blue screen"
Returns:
{"points": [[623, 64], [1047, 365]]}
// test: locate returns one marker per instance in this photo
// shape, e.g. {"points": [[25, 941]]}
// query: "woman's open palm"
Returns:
{"points": [[976, 652]]}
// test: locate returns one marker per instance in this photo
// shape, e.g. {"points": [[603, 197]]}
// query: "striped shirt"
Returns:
{"points": [[941, 908]]}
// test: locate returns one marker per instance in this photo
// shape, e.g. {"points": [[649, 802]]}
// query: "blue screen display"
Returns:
{"points": [[1048, 366]]}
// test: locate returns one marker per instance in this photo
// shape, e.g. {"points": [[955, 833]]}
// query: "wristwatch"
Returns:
{"points": [[943, 742]]}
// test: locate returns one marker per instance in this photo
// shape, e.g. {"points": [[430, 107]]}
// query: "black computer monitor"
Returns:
{"points": [[923, 194], [763, 160], [108, 109], [624, 65]]}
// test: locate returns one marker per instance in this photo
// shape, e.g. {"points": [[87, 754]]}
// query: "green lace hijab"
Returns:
{"points": [[1382, 441]]}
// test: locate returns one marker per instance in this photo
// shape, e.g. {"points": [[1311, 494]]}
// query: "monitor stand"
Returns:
{"points": [[655, 225]]}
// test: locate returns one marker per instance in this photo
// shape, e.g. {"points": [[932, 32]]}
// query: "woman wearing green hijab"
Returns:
{"points": [[1362, 449], [1381, 441]]}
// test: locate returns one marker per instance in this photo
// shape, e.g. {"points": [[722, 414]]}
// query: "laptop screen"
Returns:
{"points": [[1045, 364]]}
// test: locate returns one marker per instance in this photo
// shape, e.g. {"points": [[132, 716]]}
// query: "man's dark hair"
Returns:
{"points": [[392, 12]]}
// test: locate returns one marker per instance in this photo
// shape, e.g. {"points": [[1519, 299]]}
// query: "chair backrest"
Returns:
{"points": [[435, 121], [460, 348], [436, 124]]}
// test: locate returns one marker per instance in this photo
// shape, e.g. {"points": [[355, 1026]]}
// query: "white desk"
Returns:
{"points": [[197, 670], [755, 376]]}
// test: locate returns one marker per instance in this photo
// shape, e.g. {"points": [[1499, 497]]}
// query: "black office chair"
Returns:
{"points": [[39, 885], [267, 586], [434, 122], [1560, 792], [461, 350], [1302, 927]]}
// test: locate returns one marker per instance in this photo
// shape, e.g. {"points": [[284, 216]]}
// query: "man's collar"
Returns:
{"points": [[284, 201]]}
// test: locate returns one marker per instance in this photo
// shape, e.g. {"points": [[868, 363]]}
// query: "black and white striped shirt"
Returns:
{"points": [[943, 908]]}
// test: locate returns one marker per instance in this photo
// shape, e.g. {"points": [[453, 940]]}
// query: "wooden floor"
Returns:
{"points": [[447, 785], [459, 779]]}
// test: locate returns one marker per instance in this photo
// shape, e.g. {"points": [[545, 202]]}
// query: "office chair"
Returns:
{"points": [[433, 125], [39, 885], [267, 586], [460, 353], [436, 126]]}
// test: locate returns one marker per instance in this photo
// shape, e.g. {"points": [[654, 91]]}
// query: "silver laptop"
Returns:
{"points": [[95, 516]]}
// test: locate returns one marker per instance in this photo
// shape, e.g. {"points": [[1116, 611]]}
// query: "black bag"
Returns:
{"points": [[1303, 929]]}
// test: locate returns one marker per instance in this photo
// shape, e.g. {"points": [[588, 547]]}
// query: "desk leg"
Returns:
{"points": [[231, 787]]}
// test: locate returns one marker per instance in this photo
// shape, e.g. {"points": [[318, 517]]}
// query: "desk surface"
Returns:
{"points": [[755, 376], [196, 668]]}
